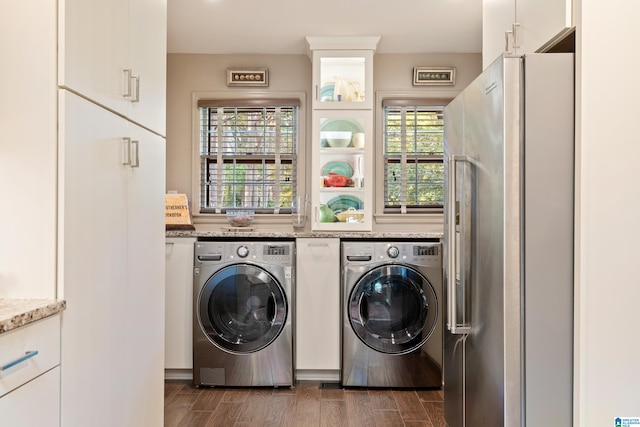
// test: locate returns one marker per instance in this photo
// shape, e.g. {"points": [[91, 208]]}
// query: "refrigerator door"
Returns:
{"points": [[487, 386], [454, 307], [509, 239]]}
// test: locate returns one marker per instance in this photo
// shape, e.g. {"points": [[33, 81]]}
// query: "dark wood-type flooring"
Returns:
{"points": [[307, 404]]}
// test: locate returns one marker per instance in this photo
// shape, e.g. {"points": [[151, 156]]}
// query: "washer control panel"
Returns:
{"points": [[427, 254], [275, 253]]}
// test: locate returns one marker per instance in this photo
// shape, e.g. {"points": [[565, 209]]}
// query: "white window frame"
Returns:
{"points": [[434, 217], [216, 218]]}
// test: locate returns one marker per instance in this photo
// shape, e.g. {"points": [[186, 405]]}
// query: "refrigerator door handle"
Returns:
{"points": [[452, 312]]}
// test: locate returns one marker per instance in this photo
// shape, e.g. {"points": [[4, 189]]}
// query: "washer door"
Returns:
{"points": [[393, 309], [242, 308]]}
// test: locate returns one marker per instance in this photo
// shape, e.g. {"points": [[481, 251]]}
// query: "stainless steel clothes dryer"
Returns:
{"points": [[242, 317], [392, 314]]}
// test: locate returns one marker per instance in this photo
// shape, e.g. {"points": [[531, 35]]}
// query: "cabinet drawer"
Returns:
{"points": [[42, 336], [34, 404]]}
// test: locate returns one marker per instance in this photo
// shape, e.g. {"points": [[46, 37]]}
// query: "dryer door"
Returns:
{"points": [[393, 309], [242, 308]]}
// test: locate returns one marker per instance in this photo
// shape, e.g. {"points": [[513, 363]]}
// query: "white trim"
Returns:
{"points": [[195, 135], [378, 135]]}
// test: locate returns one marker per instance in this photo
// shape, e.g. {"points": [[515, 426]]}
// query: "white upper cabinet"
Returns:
{"points": [[342, 72], [114, 54], [522, 26], [148, 62]]}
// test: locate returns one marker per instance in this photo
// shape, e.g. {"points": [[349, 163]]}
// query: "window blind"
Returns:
{"points": [[248, 154]]}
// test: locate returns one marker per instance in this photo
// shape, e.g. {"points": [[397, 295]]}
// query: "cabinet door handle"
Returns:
{"points": [[127, 83], [135, 97], [126, 151], [135, 163], [27, 355], [318, 244], [515, 30]]}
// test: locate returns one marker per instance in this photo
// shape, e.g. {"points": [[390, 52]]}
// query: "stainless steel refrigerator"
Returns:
{"points": [[509, 215]]}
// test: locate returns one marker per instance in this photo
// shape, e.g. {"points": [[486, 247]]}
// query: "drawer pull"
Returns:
{"points": [[28, 355]]}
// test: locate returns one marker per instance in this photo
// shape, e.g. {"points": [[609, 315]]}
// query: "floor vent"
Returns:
{"points": [[331, 385]]}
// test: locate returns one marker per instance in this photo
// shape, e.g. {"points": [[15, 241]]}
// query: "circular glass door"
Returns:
{"points": [[242, 308], [393, 309]]}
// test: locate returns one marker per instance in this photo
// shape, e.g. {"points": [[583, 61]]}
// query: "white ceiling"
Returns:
{"points": [[280, 26]]}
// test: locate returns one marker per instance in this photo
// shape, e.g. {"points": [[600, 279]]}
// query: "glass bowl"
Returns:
{"points": [[240, 218]]}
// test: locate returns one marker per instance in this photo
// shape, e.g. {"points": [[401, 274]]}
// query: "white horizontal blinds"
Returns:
{"points": [[248, 154], [413, 155]]}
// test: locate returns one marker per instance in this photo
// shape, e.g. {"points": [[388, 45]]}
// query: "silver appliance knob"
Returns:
{"points": [[393, 252], [243, 251]]}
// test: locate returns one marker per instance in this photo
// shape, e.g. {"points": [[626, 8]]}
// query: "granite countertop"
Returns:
{"points": [[16, 312], [303, 234]]}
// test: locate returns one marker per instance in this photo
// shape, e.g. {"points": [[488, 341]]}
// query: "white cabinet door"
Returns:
{"points": [[99, 40], [111, 267], [148, 61], [145, 293], [93, 50], [498, 17], [36, 403], [179, 303], [28, 121], [318, 304], [541, 21], [522, 26], [93, 263]]}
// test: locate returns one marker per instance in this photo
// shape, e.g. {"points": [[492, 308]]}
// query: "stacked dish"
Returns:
{"points": [[336, 138], [326, 92]]}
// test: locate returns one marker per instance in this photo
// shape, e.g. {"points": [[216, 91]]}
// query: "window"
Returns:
{"points": [[413, 141], [248, 154]]}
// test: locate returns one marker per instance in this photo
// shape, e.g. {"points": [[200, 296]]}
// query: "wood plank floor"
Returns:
{"points": [[307, 404]]}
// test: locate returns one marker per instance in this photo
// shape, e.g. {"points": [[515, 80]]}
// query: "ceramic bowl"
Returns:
{"points": [[337, 138]]}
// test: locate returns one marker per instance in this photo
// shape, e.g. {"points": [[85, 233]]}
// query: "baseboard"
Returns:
{"points": [[317, 375], [178, 374], [301, 375]]}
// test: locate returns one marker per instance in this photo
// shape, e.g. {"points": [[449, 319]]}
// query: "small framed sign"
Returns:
{"points": [[423, 76], [247, 77], [177, 211]]}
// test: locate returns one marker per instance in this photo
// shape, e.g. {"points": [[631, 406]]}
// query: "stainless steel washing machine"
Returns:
{"points": [[392, 314], [243, 310]]}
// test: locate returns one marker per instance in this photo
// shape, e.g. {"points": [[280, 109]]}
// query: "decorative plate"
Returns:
{"points": [[341, 168], [344, 202], [349, 125]]}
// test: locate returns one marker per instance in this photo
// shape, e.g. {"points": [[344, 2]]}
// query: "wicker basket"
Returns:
{"points": [[350, 215]]}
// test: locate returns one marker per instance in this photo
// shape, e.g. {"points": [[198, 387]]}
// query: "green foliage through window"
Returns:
{"points": [[248, 157], [413, 158]]}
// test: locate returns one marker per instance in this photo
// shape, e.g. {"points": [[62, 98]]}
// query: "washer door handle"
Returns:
{"points": [[364, 310], [271, 308]]}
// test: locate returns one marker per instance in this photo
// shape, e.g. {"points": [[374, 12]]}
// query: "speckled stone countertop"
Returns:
{"points": [[16, 312], [275, 234]]}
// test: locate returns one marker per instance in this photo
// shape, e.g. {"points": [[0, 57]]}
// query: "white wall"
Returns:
{"points": [[188, 73], [607, 369]]}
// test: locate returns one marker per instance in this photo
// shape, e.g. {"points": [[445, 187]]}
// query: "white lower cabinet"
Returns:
{"points": [[178, 353], [317, 306], [36, 403], [30, 357]]}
